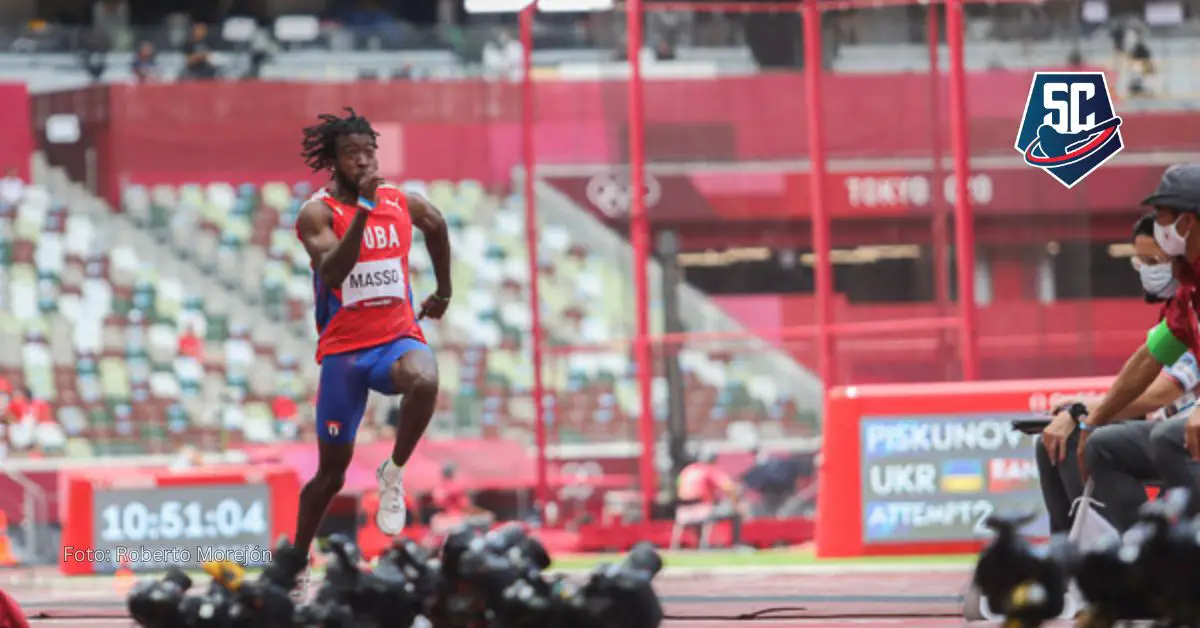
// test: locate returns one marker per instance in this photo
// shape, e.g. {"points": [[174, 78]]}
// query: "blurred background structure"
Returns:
{"points": [[155, 304]]}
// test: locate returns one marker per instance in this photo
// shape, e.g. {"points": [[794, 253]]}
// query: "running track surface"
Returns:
{"points": [[889, 600]]}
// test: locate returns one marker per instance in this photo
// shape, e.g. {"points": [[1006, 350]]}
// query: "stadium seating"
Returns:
{"points": [[184, 318], [249, 236], [103, 327]]}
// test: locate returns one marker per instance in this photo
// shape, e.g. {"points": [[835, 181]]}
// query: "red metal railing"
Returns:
{"points": [[826, 329]]}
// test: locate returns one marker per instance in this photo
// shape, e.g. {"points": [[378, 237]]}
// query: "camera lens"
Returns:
{"points": [[177, 577], [643, 557], [504, 538], [535, 553]]}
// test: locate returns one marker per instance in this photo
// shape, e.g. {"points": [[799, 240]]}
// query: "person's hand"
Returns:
{"points": [[434, 307], [1054, 437], [1083, 473], [368, 185], [1191, 435]]}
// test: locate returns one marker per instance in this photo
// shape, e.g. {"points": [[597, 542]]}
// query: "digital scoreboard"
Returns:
{"points": [[938, 478], [918, 468], [150, 519]]}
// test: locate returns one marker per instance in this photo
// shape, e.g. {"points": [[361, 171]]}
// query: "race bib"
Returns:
{"points": [[379, 280]]}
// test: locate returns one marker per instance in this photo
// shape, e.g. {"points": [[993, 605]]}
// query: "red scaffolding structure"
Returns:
{"points": [[826, 329]]}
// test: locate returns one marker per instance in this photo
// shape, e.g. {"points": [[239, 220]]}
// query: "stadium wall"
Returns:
{"points": [[249, 131], [1018, 338], [16, 149]]}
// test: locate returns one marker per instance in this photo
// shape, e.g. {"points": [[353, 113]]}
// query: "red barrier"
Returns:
{"points": [[250, 131], [17, 145], [737, 193], [915, 469]]}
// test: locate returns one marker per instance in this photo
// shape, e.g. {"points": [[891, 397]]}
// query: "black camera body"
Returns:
{"points": [[1027, 588], [1110, 583], [1147, 574], [228, 601], [622, 594], [478, 568], [370, 599], [158, 603], [480, 579], [1165, 547]]}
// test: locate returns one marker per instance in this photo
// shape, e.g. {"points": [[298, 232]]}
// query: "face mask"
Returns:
{"points": [[1158, 280], [1170, 240]]}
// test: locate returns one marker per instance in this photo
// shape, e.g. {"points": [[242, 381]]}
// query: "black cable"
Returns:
{"points": [[800, 612], [58, 615]]}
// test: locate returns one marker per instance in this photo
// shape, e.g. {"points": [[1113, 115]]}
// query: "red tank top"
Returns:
{"points": [[374, 303]]}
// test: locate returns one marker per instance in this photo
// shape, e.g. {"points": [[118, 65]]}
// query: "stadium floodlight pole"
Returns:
{"points": [[964, 222], [823, 264], [529, 159], [639, 235]]}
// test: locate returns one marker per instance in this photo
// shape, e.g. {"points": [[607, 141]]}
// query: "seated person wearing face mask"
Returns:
{"points": [[1126, 449]]}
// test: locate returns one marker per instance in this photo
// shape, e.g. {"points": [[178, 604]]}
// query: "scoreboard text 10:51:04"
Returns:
{"points": [[178, 520]]}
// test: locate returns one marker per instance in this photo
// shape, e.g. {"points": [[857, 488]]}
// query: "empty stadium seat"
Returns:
{"points": [[99, 305]]}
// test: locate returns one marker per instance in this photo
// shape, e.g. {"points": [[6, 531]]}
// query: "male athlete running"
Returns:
{"points": [[358, 233]]}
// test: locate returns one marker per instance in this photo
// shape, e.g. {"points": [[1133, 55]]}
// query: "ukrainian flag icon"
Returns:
{"points": [[962, 476]]}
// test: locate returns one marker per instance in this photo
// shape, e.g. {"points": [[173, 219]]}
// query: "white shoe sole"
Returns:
{"points": [[380, 514], [384, 529]]}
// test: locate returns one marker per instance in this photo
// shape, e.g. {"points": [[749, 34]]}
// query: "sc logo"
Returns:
{"points": [[1069, 127], [1065, 102]]}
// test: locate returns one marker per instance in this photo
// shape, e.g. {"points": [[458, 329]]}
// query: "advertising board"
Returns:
{"points": [[918, 468]]}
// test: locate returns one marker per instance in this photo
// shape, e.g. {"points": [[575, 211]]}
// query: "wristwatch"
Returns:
{"points": [[1079, 412]]}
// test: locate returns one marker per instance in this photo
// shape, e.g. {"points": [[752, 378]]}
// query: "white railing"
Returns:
{"points": [[29, 465], [36, 507]]}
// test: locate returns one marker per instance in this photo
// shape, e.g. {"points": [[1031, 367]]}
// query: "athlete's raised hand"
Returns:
{"points": [[368, 185], [434, 307]]}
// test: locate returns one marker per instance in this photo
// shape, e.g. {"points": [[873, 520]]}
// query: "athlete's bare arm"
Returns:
{"points": [[333, 259], [430, 221]]}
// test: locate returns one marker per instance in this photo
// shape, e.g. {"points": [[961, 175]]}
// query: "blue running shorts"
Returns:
{"points": [[346, 378]]}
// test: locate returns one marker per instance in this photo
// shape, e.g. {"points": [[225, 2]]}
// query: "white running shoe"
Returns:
{"points": [[392, 513]]}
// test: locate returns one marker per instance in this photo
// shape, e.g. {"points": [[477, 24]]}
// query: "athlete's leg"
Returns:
{"points": [[318, 493], [415, 375], [409, 369], [341, 400]]}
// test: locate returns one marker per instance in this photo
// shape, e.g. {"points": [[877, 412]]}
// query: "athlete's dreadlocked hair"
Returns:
{"points": [[320, 140]]}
